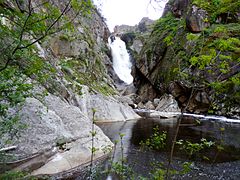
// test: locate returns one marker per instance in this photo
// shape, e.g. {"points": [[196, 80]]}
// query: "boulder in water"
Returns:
{"points": [[167, 103], [149, 105]]}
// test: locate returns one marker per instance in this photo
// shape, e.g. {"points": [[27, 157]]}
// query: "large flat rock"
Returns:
{"points": [[51, 121], [109, 109]]}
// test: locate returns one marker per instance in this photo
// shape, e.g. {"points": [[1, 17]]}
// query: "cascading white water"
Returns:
{"points": [[121, 59]]}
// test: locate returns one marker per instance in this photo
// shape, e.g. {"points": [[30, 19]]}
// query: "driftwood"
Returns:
{"points": [[8, 148]]}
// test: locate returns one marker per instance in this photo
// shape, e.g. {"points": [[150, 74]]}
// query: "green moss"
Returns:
{"points": [[69, 35], [172, 53], [63, 37], [83, 72], [217, 7]]}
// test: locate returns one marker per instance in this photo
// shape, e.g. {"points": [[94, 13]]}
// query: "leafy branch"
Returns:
{"points": [[20, 45]]}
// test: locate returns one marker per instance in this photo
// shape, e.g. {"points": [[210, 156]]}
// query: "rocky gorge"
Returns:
{"points": [[56, 123], [182, 54], [58, 117]]}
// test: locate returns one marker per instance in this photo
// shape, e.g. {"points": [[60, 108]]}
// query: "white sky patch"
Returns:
{"points": [[129, 12]]}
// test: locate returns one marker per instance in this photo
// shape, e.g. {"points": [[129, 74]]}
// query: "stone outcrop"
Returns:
{"points": [[199, 102], [58, 129], [109, 109], [160, 55], [197, 20], [143, 26], [164, 107], [167, 103], [177, 7], [49, 123], [63, 131], [128, 33]]}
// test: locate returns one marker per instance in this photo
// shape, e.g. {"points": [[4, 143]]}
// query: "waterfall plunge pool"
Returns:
{"points": [[220, 161]]}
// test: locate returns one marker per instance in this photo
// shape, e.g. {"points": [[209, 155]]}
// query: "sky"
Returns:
{"points": [[129, 12]]}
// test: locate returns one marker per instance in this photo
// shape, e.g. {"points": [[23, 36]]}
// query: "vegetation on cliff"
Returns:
{"points": [[32, 35], [205, 60]]}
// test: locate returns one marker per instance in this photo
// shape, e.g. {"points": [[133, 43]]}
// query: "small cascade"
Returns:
{"points": [[121, 59]]}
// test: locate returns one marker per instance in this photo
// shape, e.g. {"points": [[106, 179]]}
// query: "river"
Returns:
{"points": [[220, 161]]}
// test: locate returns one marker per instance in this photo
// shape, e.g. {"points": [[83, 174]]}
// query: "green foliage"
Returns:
{"points": [[169, 40], [159, 172], [14, 175], [13, 91], [167, 26], [215, 53], [230, 44], [21, 28], [229, 88], [123, 171], [217, 7], [169, 22], [193, 148], [220, 29], [198, 60], [85, 6], [156, 141], [165, 29], [93, 148], [61, 143], [164, 36], [204, 60], [192, 37], [82, 71]]}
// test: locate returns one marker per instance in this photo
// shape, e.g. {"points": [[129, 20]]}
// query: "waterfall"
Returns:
{"points": [[121, 59]]}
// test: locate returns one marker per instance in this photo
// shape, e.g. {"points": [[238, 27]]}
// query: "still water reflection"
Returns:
{"points": [[225, 135]]}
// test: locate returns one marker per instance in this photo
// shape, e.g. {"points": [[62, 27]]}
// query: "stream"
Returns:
{"points": [[220, 161]]}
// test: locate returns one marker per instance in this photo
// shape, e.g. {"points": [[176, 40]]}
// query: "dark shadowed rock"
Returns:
{"points": [[196, 100], [197, 19], [145, 24], [167, 9], [225, 18], [179, 7], [147, 92]]}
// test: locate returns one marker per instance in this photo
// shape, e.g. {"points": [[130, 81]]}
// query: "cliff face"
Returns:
{"points": [[192, 53], [63, 83]]}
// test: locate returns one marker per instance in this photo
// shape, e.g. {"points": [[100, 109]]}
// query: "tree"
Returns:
{"points": [[23, 26]]}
